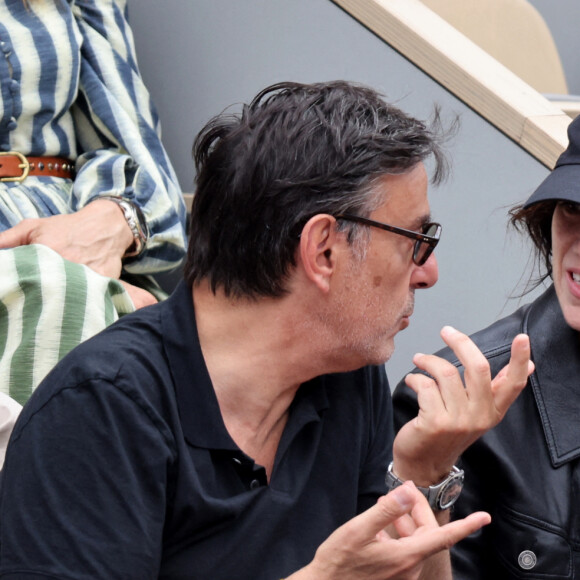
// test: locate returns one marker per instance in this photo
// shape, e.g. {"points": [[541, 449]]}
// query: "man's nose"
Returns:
{"points": [[426, 275]]}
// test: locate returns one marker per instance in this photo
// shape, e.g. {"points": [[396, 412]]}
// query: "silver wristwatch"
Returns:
{"points": [[440, 496], [136, 222]]}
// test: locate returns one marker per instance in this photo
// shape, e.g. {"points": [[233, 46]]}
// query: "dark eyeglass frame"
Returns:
{"points": [[420, 238]]}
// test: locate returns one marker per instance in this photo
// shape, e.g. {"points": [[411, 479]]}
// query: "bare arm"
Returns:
{"points": [[97, 236]]}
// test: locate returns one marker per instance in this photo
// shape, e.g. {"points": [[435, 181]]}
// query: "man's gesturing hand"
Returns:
{"points": [[453, 412], [362, 548]]}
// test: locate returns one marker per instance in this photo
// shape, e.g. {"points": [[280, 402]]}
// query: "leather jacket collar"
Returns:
{"points": [[556, 380]]}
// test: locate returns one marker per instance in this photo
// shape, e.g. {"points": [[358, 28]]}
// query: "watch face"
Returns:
{"points": [[450, 493]]}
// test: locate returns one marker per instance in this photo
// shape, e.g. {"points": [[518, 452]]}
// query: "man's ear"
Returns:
{"points": [[318, 250]]}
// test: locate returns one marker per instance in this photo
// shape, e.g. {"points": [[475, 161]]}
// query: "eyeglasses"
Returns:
{"points": [[425, 241]]}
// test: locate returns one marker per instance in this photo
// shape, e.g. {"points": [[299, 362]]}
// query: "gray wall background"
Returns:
{"points": [[200, 56]]}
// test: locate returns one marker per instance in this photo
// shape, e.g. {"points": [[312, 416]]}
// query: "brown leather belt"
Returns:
{"points": [[17, 167]]}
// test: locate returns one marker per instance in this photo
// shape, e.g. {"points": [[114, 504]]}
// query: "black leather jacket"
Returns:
{"points": [[525, 472]]}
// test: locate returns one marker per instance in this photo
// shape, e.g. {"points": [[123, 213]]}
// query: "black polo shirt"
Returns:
{"points": [[120, 465]]}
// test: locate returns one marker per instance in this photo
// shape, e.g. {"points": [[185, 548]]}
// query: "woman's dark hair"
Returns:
{"points": [[295, 151], [536, 220]]}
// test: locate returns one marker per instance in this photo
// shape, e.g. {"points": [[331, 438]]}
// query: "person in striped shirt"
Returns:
{"points": [[90, 205]]}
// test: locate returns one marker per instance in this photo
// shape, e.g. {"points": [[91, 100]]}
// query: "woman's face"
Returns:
{"points": [[566, 259]]}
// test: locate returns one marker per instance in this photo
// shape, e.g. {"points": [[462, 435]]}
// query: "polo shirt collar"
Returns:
{"points": [[197, 403], [199, 411]]}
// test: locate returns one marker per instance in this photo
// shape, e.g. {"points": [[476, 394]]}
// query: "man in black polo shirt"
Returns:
{"points": [[242, 429]]}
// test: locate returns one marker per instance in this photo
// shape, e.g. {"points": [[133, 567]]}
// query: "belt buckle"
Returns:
{"points": [[24, 165]]}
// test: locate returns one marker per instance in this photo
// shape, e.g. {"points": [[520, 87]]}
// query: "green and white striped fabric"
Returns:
{"points": [[48, 306]]}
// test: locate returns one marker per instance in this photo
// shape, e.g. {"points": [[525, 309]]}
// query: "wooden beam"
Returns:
{"points": [[188, 198], [468, 72]]}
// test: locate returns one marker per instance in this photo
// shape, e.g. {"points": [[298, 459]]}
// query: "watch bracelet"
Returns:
{"points": [[456, 475], [136, 222]]}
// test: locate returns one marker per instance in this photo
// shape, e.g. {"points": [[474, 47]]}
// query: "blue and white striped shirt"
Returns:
{"points": [[70, 87]]}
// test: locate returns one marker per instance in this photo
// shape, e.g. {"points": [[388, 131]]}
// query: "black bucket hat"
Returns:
{"points": [[563, 182]]}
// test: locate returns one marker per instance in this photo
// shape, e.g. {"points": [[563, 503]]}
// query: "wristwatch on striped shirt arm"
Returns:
{"points": [[135, 221]]}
